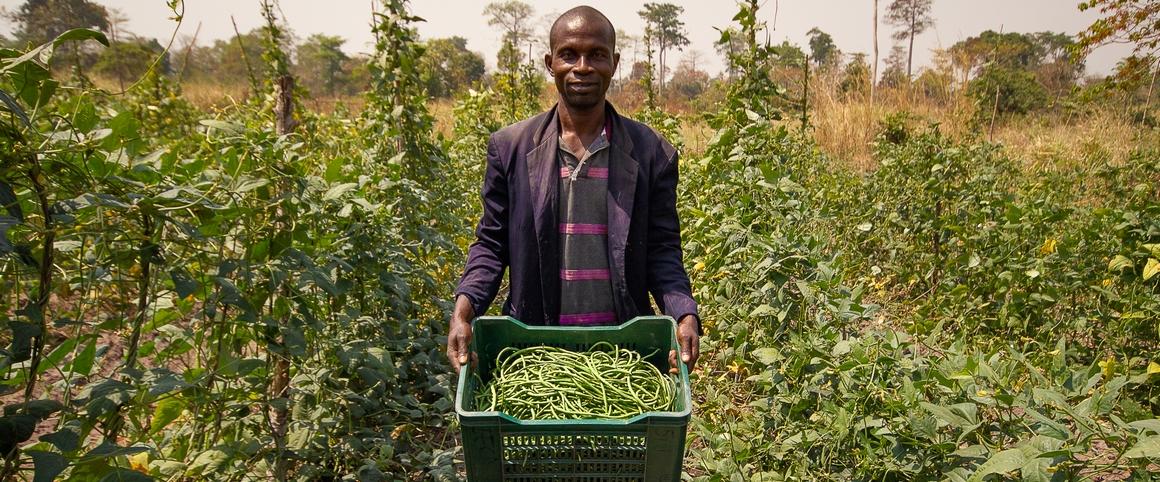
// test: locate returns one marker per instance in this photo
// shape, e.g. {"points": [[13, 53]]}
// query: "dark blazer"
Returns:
{"points": [[519, 227]]}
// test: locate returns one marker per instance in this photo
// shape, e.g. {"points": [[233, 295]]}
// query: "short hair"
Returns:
{"points": [[587, 13]]}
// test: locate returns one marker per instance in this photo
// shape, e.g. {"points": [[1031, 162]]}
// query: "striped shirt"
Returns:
{"points": [[585, 280]]}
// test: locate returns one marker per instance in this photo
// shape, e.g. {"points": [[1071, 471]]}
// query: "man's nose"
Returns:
{"points": [[583, 64]]}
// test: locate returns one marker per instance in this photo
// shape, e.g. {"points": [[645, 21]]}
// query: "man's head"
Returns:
{"points": [[583, 57]]}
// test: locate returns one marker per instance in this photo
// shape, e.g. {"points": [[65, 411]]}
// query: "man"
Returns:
{"points": [[580, 203]]}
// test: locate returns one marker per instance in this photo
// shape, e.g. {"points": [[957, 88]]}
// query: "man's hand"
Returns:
{"points": [[690, 343], [459, 334]]}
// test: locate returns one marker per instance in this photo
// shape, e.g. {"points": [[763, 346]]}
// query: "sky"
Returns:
{"points": [[848, 21]]}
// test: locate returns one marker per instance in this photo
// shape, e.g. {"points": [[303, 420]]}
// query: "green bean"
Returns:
{"points": [[605, 382]]}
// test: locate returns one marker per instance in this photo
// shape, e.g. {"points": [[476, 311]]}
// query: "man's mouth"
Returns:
{"points": [[583, 86]]}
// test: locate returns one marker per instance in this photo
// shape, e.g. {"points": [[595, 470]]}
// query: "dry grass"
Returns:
{"points": [[443, 110], [1049, 143], [845, 130]]}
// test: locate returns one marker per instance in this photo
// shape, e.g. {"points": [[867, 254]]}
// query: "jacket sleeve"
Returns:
{"points": [[667, 279], [487, 258]]}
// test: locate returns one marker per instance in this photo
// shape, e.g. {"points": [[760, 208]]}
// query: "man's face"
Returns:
{"points": [[582, 62]]}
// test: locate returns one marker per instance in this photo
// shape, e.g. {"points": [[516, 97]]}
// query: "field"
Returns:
{"points": [[260, 289]]}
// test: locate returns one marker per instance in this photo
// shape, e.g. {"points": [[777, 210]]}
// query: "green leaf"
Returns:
{"points": [[1145, 448], [1152, 424], [1048, 427], [1151, 268], [767, 355], [946, 415], [336, 191], [183, 283], [1153, 249], [80, 34], [65, 439], [41, 409], [251, 184], [207, 462], [1000, 463], [83, 363], [107, 450], [762, 310], [14, 430], [126, 475], [47, 465], [227, 127], [1120, 263], [15, 108], [167, 411]]}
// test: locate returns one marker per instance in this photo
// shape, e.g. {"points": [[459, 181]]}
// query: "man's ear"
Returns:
{"points": [[615, 61], [548, 63]]}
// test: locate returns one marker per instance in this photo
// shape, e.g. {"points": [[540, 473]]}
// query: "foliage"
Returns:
{"points": [[1043, 52], [193, 265], [665, 29], [1007, 91], [513, 17], [688, 82], [754, 89], [912, 18], [129, 60], [448, 67], [822, 49], [855, 79], [320, 62], [229, 61], [40, 21], [948, 315], [1134, 21]]}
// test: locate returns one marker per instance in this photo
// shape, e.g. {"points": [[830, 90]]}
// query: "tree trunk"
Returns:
{"points": [[284, 123], [910, 51], [874, 70]]}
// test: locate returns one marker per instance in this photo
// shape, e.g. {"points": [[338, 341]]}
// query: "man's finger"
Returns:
{"points": [[673, 367], [451, 356]]}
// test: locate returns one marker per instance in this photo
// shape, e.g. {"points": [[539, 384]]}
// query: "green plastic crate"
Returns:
{"points": [[497, 447]]}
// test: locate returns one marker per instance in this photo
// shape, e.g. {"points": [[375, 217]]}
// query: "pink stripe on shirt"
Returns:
{"points": [[598, 172], [584, 274], [588, 318], [576, 228]]}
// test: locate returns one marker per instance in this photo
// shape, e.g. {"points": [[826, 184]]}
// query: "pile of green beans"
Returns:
{"points": [[549, 383]]}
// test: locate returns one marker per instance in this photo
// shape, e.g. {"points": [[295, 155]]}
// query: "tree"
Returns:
{"points": [[224, 62], [39, 21], [513, 17], [895, 73], [912, 17], [688, 81], [1006, 91], [625, 43], [666, 30], [1058, 71], [320, 64], [822, 48], [874, 68], [447, 67], [128, 60], [1132, 21], [730, 45], [856, 77]]}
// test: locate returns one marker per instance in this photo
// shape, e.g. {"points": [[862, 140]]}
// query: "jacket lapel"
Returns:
{"points": [[543, 179], [621, 194]]}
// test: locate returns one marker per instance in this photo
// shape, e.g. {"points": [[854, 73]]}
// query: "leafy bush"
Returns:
{"points": [[1006, 91]]}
